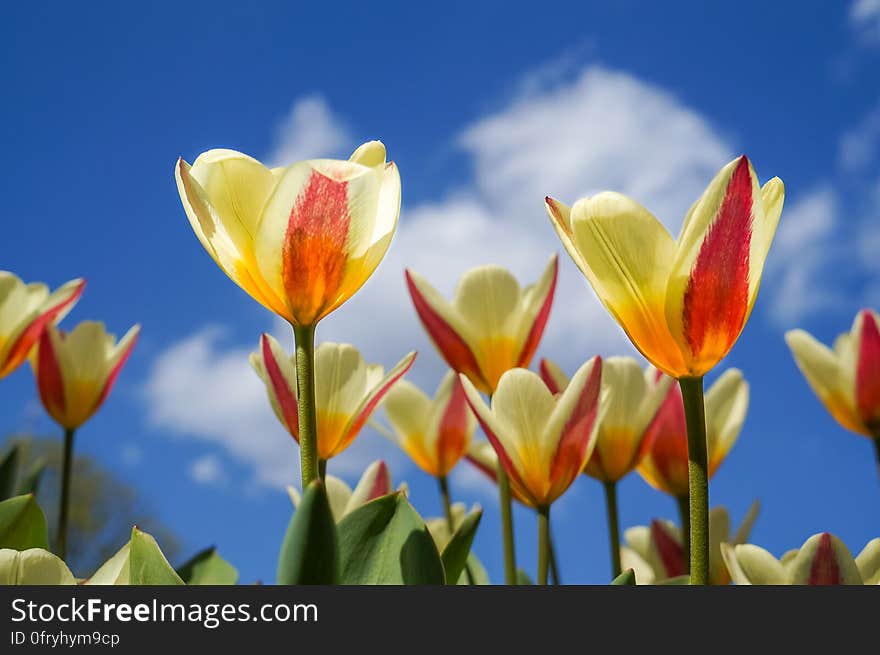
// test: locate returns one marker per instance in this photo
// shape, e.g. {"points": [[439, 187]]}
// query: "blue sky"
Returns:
{"points": [[486, 109]]}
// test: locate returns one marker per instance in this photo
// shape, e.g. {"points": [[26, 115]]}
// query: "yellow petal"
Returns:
{"points": [[726, 404], [868, 562], [751, 565], [371, 153], [33, 566], [824, 559]]}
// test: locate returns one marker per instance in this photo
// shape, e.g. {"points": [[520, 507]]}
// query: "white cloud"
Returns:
{"points": [[859, 145], [207, 470], [864, 18], [310, 130]]}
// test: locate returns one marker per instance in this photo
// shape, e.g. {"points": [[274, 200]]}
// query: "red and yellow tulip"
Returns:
{"points": [[374, 483], [542, 441], [847, 377], [300, 239], [25, 310], [665, 463], [684, 302], [434, 432], [75, 372], [491, 326], [633, 400], [347, 390]]}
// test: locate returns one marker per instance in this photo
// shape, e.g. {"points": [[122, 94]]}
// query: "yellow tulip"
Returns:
{"points": [[25, 309], [300, 239], [491, 326], [76, 371], [847, 378], [682, 303], [347, 390], [434, 432]]}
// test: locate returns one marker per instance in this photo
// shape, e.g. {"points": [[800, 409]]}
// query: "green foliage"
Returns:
{"points": [[455, 555], [22, 524], [206, 568], [309, 552], [148, 565], [387, 542], [522, 578], [627, 578], [9, 472]]}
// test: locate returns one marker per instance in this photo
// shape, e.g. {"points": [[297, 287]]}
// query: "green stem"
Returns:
{"points": [[304, 335], [613, 526], [64, 507], [684, 515], [554, 570], [698, 478], [447, 506], [506, 526], [322, 469], [543, 544]]}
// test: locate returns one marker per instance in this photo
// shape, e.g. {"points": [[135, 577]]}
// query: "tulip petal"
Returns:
{"points": [[625, 254], [745, 528], [374, 483], [824, 560], [868, 562], [665, 465], [752, 565], [726, 403], [867, 390], [121, 354], [455, 425], [278, 373], [553, 376], [669, 549], [50, 382], [538, 300], [408, 409]]}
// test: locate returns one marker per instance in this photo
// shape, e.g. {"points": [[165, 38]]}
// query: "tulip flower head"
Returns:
{"points": [[847, 378], [682, 303], [822, 560], [665, 463], [491, 326], [75, 371], [374, 483], [436, 432], [656, 553], [25, 310], [634, 398], [347, 390], [300, 239], [542, 441]]}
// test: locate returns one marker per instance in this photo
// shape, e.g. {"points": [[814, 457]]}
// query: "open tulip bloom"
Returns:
{"points": [[300, 239], [347, 390], [633, 399], [25, 310], [375, 482], [822, 560], [434, 432], [683, 303], [846, 378], [75, 373], [542, 441]]}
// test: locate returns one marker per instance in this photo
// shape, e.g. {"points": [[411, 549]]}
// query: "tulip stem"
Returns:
{"points": [[554, 570], [322, 469], [543, 544], [613, 526], [447, 506], [507, 526], [684, 514], [304, 336], [64, 507], [698, 478]]}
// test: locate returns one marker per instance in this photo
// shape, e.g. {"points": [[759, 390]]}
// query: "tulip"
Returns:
{"points": [[75, 373], [682, 303], [491, 326], [348, 391], [33, 566], [436, 432], [300, 239], [634, 398], [374, 483], [657, 553], [25, 310], [822, 560], [847, 378], [542, 441]]}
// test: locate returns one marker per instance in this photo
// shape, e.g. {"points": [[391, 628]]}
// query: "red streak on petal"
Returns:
{"points": [[671, 551], [381, 483], [283, 393], [453, 429], [547, 377], [489, 471], [868, 371], [666, 441], [50, 383], [577, 431], [534, 337], [314, 253], [824, 569], [373, 403], [31, 334], [114, 373], [717, 296], [451, 346]]}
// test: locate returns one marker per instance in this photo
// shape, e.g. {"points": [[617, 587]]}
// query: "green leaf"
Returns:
{"points": [[207, 567], [309, 552], [627, 578], [474, 572], [22, 524], [30, 481], [522, 578], [456, 553], [385, 541], [147, 564], [9, 472]]}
